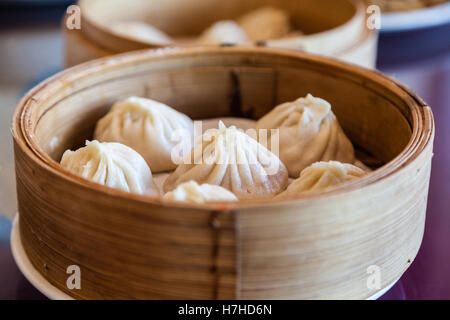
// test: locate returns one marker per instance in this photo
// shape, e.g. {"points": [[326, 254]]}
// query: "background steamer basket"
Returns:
{"points": [[332, 27], [131, 246]]}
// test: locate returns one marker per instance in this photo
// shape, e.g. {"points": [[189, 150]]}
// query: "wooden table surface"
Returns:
{"points": [[429, 276]]}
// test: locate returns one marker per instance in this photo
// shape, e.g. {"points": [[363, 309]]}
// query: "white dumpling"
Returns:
{"points": [[266, 23], [111, 164], [193, 192], [321, 176], [223, 32], [141, 31], [229, 158], [308, 132], [151, 128]]}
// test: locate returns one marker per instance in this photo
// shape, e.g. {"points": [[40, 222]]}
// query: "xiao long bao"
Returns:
{"points": [[147, 126], [309, 132], [111, 164], [139, 136], [193, 192], [262, 24], [141, 31], [226, 31], [321, 176], [229, 158], [266, 23]]}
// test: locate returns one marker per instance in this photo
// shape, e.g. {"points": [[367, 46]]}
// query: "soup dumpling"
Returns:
{"points": [[151, 128], [141, 31], [193, 192], [229, 158], [321, 176], [308, 132], [223, 32], [111, 164]]}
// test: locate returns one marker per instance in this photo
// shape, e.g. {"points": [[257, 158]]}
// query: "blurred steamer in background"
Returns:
{"points": [[335, 28]]}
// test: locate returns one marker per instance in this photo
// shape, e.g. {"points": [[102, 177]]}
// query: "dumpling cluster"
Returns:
{"points": [[136, 138], [308, 132], [226, 31], [266, 23], [229, 158], [148, 127], [263, 24], [111, 164], [321, 176]]}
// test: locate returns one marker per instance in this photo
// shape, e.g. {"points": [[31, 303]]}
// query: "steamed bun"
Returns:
{"points": [[193, 192], [308, 132], [149, 127], [111, 164], [321, 176], [231, 159]]}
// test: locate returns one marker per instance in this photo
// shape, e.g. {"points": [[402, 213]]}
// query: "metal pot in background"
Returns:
{"points": [[412, 35]]}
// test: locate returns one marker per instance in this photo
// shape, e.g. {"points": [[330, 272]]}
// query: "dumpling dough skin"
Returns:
{"points": [[193, 192], [321, 176], [111, 164], [231, 159], [223, 32], [141, 31], [308, 132], [266, 23], [147, 126]]}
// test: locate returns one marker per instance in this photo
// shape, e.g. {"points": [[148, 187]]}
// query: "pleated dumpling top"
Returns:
{"points": [[266, 23], [150, 127], [321, 176], [229, 158], [308, 132], [193, 192], [111, 164], [223, 32]]}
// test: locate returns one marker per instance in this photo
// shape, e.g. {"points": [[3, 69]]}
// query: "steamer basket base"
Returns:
{"points": [[53, 293]]}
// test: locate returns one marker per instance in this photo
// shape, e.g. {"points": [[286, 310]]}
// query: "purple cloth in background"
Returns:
{"points": [[429, 276], [13, 284]]}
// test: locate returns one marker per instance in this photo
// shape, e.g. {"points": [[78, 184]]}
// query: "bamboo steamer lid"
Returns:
{"points": [[319, 246]]}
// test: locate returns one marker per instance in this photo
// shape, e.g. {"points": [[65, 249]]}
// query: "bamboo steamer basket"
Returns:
{"points": [[332, 27], [318, 246]]}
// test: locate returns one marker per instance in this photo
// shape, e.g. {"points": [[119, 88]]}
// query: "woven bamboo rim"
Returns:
{"points": [[233, 268], [95, 14]]}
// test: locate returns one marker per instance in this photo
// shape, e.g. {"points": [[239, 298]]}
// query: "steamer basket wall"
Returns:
{"points": [[335, 28], [131, 246]]}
